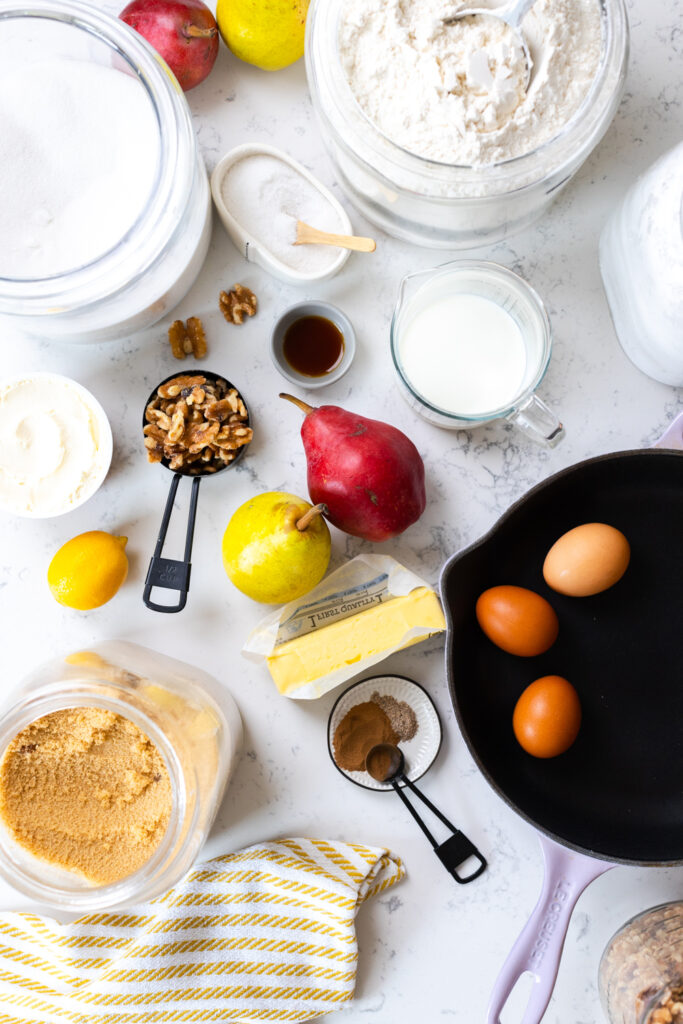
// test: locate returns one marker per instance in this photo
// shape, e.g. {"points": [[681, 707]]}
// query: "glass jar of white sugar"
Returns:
{"points": [[109, 219]]}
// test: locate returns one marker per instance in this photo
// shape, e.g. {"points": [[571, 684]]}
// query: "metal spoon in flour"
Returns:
{"points": [[512, 14]]}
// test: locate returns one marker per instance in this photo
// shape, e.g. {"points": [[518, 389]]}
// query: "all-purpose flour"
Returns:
{"points": [[79, 147], [454, 93]]}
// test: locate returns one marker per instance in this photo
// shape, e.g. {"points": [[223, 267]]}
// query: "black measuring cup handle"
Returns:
{"points": [[170, 573], [455, 850]]}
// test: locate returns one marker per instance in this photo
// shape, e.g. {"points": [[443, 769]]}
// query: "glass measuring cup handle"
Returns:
{"points": [[535, 419], [171, 573]]}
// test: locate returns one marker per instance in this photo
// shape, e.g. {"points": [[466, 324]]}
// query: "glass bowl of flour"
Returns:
{"points": [[109, 216], [431, 130]]}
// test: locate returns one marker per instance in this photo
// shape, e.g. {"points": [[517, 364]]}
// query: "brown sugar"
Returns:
{"points": [[86, 790], [361, 728]]}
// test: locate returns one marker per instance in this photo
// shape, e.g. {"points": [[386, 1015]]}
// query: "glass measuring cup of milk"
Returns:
{"points": [[471, 342]]}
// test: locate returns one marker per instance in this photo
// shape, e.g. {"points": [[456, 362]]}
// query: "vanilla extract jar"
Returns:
{"points": [[155, 740]]}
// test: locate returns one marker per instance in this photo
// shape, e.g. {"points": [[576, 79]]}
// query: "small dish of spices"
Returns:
{"points": [[313, 344], [383, 709]]}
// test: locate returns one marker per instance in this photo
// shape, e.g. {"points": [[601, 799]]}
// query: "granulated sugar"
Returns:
{"points": [[79, 149], [267, 196]]}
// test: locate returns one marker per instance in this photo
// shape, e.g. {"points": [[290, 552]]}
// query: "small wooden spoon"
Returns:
{"points": [[305, 235]]}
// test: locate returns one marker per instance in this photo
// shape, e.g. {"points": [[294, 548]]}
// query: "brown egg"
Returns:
{"points": [[587, 560], [547, 717], [517, 620]]}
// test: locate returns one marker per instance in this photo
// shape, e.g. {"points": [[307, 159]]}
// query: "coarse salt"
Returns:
{"points": [[267, 196]]}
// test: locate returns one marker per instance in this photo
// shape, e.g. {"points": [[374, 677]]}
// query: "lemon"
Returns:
{"points": [[87, 571], [267, 33]]}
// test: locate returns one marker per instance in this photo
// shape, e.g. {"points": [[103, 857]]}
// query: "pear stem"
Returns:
{"points": [[304, 406], [308, 517], [195, 32]]}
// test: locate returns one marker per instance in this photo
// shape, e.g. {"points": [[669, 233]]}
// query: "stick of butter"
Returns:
{"points": [[356, 643], [358, 615]]}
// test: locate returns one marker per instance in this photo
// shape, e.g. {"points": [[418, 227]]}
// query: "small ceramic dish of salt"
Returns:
{"points": [[260, 193]]}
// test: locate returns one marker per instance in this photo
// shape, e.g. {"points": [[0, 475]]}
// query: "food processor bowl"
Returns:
{"points": [[448, 206]]}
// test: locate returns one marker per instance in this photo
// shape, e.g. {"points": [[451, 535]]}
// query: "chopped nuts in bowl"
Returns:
{"points": [[196, 423]]}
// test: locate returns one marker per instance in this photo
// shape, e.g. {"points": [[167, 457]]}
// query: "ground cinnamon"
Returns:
{"points": [[361, 728]]}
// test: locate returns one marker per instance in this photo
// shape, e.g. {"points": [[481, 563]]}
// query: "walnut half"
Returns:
{"points": [[237, 303], [187, 338]]}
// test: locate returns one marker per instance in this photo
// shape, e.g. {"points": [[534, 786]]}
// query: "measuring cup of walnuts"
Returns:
{"points": [[195, 424]]}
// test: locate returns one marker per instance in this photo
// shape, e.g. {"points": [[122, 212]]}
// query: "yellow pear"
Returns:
{"points": [[276, 547], [267, 33]]}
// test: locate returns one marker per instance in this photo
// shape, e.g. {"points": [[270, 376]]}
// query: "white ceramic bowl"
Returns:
{"points": [[249, 247], [106, 443], [420, 752]]}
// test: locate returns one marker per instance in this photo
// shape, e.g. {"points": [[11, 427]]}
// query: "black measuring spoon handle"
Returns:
{"points": [[455, 850], [171, 573]]}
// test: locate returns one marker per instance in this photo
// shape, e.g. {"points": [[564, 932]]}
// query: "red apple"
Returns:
{"points": [[184, 32]]}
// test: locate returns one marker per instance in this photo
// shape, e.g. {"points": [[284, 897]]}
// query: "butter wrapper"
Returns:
{"points": [[358, 615]]}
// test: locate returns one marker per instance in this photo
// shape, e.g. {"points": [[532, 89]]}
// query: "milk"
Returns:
{"points": [[463, 353]]}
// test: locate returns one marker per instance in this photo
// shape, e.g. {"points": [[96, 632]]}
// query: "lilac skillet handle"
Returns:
{"points": [[539, 946], [673, 435]]}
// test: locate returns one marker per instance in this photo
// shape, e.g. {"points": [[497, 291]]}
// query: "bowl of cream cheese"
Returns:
{"points": [[55, 445], [431, 127]]}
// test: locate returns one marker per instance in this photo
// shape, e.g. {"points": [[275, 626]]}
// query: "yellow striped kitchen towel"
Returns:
{"points": [[264, 934]]}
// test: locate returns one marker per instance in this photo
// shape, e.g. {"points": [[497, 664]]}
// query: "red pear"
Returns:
{"points": [[368, 473], [184, 32]]}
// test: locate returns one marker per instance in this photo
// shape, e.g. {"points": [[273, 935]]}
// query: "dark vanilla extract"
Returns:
{"points": [[313, 346]]}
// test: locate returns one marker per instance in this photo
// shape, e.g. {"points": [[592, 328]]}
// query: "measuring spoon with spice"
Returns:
{"points": [[383, 709], [385, 763]]}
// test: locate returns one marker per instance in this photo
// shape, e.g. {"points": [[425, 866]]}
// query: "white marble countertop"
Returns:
{"points": [[429, 949]]}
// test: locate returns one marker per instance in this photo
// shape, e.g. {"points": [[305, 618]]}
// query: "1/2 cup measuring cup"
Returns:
{"points": [[471, 342], [172, 573]]}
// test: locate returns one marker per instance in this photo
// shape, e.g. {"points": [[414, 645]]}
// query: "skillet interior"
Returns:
{"points": [[618, 792]]}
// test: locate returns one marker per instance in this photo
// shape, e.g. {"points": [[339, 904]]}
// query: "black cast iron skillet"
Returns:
{"points": [[617, 794]]}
